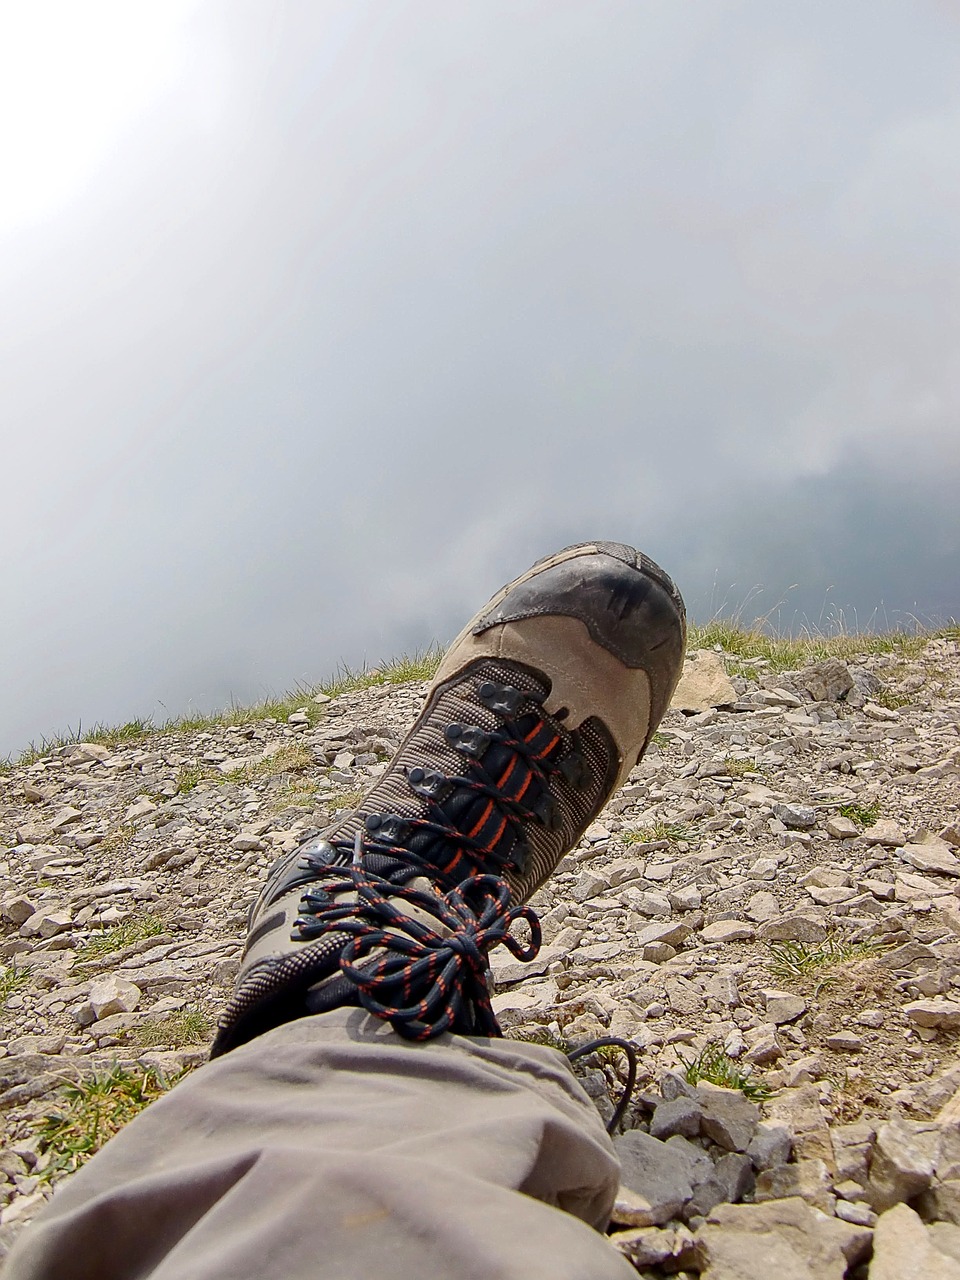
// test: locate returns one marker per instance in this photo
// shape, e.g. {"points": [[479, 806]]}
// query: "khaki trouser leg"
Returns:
{"points": [[332, 1148]]}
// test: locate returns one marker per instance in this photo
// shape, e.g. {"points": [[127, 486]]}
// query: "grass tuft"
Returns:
{"points": [[91, 1112], [892, 701], [743, 668], [292, 757], [538, 1035], [297, 792], [660, 830], [792, 960], [745, 650], [12, 980], [406, 669], [736, 768], [610, 1055], [135, 929], [865, 814], [715, 1066], [189, 1026], [106, 735], [787, 653], [345, 800], [117, 840], [420, 665], [190, 778]]}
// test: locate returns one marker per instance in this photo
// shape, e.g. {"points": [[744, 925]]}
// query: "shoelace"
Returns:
{"points": [[474, 821], [626, 1094], [427, 980]]}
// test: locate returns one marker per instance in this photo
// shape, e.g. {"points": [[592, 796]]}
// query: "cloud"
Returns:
{"points": [[367, 306]]}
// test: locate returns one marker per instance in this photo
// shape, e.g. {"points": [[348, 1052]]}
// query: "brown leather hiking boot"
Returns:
{"points": [[538, 712]]}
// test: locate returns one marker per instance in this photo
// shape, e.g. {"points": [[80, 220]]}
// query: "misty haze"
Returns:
{"points": [[321, 320]]}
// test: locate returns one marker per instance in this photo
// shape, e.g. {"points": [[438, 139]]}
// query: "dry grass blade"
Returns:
{"points": [[792, 960], [188, 1027], [671, 831]]}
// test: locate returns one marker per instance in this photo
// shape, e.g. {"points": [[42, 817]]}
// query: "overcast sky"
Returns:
{"points": [[320, 319]]}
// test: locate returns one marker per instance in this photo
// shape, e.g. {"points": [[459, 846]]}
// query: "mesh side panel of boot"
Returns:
{"points": [[426, 746], [578, 807]]}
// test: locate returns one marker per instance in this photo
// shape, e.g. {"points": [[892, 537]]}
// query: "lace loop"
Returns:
{"points": [[424, 979]]}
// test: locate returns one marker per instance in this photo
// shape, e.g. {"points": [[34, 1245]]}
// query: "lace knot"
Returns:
{"points": [[425, 976]]}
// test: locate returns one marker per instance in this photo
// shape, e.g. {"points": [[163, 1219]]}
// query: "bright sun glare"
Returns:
{"points": [[73, 78]]}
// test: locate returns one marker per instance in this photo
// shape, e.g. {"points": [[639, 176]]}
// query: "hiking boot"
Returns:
{"points": [[538, 712]]}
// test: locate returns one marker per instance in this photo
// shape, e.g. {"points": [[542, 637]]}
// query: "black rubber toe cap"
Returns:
{"points": [[627, 603]]}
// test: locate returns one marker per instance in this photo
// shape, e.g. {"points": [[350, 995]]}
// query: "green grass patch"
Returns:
{"points": [[405, 670], [112, 736], [713, 1065], [864, 814], [122, 735], [91, 1112], [189, 778], [135, 929], [12, 980], [892, 701], [745, 669]]}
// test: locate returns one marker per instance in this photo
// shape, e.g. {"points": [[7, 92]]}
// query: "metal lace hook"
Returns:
{"points": [[358, 849]]}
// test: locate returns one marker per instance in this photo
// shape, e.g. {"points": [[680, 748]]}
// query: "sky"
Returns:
{"points": [[319, 320]]}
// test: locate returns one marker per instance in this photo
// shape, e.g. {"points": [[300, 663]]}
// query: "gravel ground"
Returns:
{"points": [[775, 894]]}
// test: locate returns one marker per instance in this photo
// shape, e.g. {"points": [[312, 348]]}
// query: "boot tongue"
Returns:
{"points": [[335, 990], [394, 870]]}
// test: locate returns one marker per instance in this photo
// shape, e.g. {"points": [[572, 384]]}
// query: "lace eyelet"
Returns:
{"points": [[502, 699], [469, 739]]}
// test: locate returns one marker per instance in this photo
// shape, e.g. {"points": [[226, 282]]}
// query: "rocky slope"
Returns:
{"points": [[774, 897]]}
